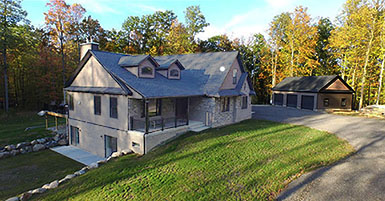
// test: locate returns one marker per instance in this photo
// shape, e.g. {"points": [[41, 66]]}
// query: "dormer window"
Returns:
{"points": [[146, 70], [174, 73], [235, 76]]}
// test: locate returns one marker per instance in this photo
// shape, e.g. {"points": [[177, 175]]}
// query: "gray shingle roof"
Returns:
{"points": [[200, 77], [97, 90], [304, 84]]}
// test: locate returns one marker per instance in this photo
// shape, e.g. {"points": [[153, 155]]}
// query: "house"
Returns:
{"points": [[314, 93], [136, 102]]}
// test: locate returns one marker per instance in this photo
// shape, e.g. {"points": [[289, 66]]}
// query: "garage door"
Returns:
{"points": [[291, 100], [278, 99], [307, 102]]}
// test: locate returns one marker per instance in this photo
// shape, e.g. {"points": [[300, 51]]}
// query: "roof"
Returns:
{"points": [[312, 84], [97, 90], [133, 60], [201, 75]]}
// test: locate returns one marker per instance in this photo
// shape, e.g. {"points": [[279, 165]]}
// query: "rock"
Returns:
{"points": [[126, 151], [25, 196], [1, 155], [63, 180], [70, 176], [38, 147], [56, 138], [14, 152], [33, 142], [80, 172], [23, 151], [116, 154], [93, 166], [41, 140], [63, 142], [28, 148], [39, 190], [53, 184], [101, 162], [45, 186], [10, 147], [13, 199], [85, 168], [109, 158], [5, 154], [21, 145]]}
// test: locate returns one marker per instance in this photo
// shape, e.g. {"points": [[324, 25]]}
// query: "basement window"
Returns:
{"points": [[343, 102], [326, 102]]}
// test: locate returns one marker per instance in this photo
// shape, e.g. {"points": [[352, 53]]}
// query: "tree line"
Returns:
{"points": [[38, 60]]}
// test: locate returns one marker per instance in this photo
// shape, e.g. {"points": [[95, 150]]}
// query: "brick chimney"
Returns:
{"points": [[87, 46]]}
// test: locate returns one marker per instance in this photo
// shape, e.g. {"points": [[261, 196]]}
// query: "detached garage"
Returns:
{"points": [[314, 93]]}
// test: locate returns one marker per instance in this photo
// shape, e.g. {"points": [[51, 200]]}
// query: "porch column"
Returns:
{"points": [[146, 115], [188, 109]]}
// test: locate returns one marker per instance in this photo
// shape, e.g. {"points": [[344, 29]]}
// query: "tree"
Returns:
{"points": [[323, 51], [178, 41], [11, 14], [195, 21], [62, 20], [90, 30]]}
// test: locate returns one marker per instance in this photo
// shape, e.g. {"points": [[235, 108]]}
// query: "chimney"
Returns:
{"points": [[87, 46]]}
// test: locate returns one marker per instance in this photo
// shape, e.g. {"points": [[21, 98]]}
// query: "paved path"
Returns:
{"points": [[77, 154], [359, 177]]}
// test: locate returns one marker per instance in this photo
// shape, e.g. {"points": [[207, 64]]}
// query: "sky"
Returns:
{"points": [[236, 18]]}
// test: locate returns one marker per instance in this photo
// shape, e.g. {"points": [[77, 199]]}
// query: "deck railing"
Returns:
{"points": [[157, 123]]}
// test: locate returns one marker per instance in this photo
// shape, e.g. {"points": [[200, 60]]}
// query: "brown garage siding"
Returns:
{"points": [[334, 101]]}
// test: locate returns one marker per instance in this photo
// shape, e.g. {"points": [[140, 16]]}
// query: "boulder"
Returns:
{"points": [[101, 162], [41, 140], [21, 145], [33, 142], [54, 184], [38, 147], [56, 138], [5, 154], [63, 142], [2, 155], [80, 172], [39, 190], [93, 166], [70, 176], [45, 186], [14, 152], [23, 151], [63, 180], [13, 199], [28, 148], [116, 154], [126, 151], [10, 147], [25, 196], [109, 158]]}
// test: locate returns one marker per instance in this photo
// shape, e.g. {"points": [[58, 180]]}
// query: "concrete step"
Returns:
{"points": [[199, 129]]}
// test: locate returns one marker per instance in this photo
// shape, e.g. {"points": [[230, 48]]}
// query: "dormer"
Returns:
{"points": [[171, 69], [142, 66]]}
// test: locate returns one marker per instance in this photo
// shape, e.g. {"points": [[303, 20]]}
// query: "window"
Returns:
{"points": [[154, 107], [146, 70], [326, 102], [225, 102], [97, 105], [113, 107], [244, 102], [235, 76], [74, 135], [70, 102], [174, 73], [343, 102]]}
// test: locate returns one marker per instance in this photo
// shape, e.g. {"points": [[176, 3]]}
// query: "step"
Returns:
{"points": [[196, 126]]}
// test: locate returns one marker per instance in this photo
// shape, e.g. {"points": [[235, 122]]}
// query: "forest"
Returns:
{"points": [[37, 61]]}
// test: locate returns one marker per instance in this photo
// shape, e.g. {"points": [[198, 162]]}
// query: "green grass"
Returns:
{"points": [[252, 160], [29, 171], [12, 127]]}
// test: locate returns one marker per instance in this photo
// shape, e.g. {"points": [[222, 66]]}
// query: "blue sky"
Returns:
{"points": [[239, 18]]}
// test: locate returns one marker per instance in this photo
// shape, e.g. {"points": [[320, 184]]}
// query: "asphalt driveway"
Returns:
{"points": [[359, 177]]}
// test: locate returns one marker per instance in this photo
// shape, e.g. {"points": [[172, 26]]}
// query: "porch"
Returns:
{"points": [[153, 115]]}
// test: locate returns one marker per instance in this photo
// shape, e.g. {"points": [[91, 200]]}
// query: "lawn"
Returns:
{"points": [[252, 160], [29, 171], [12, 127]]}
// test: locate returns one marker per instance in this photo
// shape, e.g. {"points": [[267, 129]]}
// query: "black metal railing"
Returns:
{"points": [[157, 123]]}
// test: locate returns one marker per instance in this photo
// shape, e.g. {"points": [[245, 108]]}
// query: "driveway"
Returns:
{"points": [[359, 177]]}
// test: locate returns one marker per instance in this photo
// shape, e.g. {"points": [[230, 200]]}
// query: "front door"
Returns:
{"points": [[110, 144], [181, 107]]}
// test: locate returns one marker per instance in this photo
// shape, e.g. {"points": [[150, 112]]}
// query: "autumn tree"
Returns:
{"points": [[11, 14], [62, 20]]}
